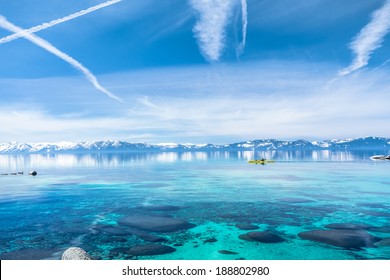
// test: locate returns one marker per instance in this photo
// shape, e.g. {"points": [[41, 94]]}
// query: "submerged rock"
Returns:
{"points": [[385, 242], [118, 239], [384, 229], [155, 224], [265, 237], [373, 205], [118, 251], [28, 254], [112, 230], [345, 238], [115, 231], [75, 253], [295, 200], [147, 236], [348, 226], [377, 213], [227, 252], [210, 240], [160, 208], [150, 249], [246, 226], [245, 237], [262, 236]]}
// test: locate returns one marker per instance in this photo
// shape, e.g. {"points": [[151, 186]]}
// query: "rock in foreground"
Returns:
{"points": [[75, 253]]}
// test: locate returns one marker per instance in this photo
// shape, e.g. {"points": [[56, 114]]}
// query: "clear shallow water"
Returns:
{"points": [[78, 200]]}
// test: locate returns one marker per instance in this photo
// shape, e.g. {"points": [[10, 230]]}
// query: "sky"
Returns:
{"points": [[193, 71]]}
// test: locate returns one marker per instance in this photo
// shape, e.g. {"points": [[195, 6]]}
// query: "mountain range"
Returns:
{"points": [[367, 143]]}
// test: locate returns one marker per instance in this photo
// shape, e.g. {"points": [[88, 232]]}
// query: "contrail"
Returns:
{"points": [[210, 27], [244, 14], [4, 23], [369, 39], [55, 22]]}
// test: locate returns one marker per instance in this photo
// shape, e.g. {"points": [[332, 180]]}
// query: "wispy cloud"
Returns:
{"points": [[369, 39], [146, 102], [244, 15], [229, 105], [213, 18], [32, 124], [187, 104], [4, 23], [57, 21]]}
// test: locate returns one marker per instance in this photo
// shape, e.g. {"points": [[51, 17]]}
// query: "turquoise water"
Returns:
{"points": [[79, 200]]}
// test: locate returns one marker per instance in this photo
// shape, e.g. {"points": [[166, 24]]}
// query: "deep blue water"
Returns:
{"points": [[79, 200]]}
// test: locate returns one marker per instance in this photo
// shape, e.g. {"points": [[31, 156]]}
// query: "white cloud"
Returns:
{"points": [[210, 27], [369, 39], [215, 104], [30, 125]]}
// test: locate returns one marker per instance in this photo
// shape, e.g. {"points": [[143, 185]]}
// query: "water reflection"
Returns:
{"points": [[11, 163], [316, 155]]}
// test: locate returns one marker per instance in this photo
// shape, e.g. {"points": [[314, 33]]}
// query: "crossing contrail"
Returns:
{"points": [[244, 15], [55, 22], [369, 39], [4, 23]]}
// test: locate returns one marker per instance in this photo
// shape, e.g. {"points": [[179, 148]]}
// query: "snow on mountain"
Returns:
{"points": [[366, 143]]}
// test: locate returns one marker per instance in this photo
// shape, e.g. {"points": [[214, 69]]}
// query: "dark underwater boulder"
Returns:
{"points": [[246, 226], [262, 236], [384, 229], [295, 200], [150, 250], [344, 238], [160, 208], [112, 230], [227, 252], [348, 226], [155, 223], [245, 237], [28, 254], [385, 242], [147, 236], [265, 237]]}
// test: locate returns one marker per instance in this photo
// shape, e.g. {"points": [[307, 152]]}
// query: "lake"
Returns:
{"points": [[196, 206]]}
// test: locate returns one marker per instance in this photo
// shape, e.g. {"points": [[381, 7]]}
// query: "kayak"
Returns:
{"points": [[380, 157], [260, 161]]}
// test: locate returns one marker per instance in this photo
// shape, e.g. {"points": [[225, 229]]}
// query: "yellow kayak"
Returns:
{"points": [[260, 161]]}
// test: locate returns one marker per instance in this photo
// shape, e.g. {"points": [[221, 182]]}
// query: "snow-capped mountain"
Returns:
{"points": [[96, 146], [367, 143]]}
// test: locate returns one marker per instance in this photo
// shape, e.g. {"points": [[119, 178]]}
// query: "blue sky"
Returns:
{"points": [[216, 71]]}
